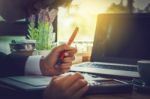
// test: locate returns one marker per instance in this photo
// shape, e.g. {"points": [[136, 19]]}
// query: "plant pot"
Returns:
{"points": [[43, 52]]}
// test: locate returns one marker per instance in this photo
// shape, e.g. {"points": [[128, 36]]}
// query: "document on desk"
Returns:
{"points": [[27, 83], [32, 80]]}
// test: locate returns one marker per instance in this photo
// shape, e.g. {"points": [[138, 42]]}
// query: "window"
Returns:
{"points": [[83, 13]]}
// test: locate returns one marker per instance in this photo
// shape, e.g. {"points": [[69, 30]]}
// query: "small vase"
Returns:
{"points": [[42, 52]]}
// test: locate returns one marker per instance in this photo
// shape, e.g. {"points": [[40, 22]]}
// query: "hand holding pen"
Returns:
{"points": [[60, 59]]}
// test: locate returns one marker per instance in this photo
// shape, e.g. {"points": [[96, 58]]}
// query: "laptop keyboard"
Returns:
{"points": [[109, 66]]}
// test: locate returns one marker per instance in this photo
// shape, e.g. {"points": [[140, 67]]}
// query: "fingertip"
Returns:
{"points": [[82, 91], [66, 54], [73, 50], [79, 75]]}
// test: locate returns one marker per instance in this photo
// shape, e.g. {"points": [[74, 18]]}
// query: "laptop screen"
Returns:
{"points": [[121, 38]]}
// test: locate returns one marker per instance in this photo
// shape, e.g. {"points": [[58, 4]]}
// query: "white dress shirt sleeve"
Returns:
{"points": [[32, 66]]}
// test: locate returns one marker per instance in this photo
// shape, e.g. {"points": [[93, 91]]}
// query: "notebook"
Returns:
{"points": [[27, 83], [120, 41]]}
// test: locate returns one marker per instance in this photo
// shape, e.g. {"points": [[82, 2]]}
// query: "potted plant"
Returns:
{"points": [[43, 34]]}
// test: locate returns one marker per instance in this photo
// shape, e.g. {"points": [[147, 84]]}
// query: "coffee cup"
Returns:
{"points": [[144, 71], [23, 47]]}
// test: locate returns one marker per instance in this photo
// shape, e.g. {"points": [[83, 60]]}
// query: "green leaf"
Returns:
{"points": [[42, 35]]}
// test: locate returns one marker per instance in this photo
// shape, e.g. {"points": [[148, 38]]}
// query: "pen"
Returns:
{"points": [[71, 39]]}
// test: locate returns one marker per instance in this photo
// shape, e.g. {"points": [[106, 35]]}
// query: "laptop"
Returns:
{"points": [[120, 41]]}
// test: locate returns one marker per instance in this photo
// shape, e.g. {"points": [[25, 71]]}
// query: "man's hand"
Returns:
{"points": [[49, 64], [66, 87]]}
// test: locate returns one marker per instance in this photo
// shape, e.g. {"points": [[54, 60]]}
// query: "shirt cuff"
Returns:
{"points": [[32, 66]]}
